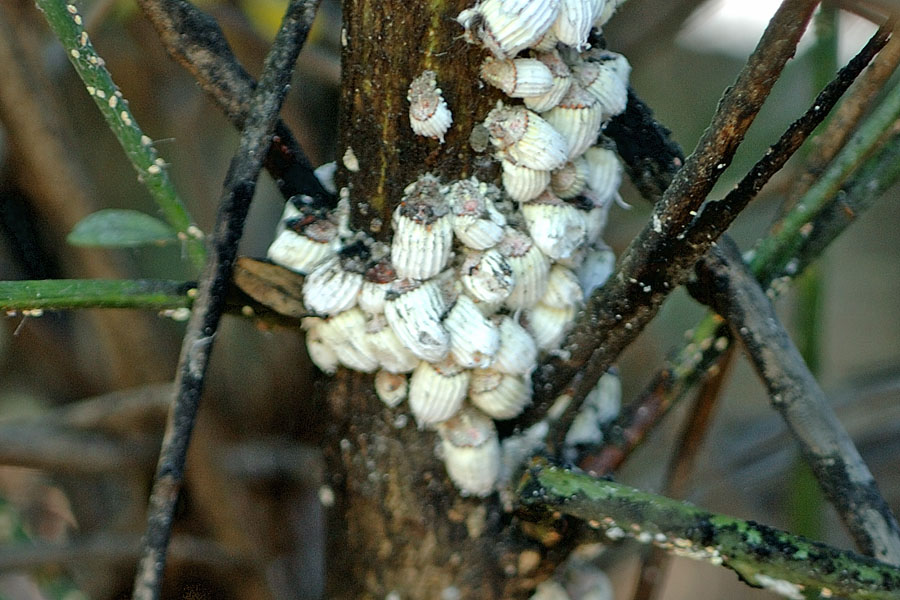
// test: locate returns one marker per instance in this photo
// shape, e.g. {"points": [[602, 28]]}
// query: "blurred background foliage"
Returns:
{"points": [[251, 522]]}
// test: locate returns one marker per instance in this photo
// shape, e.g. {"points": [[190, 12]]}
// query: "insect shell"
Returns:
{"points": [[519, 77], [474, 340], [521, 183], [573, 24], [526, 138], [476, 221], [306, 237], [376, 284], [549, 324], [578, 118], [330, 288], [390, 387], [471, 452], [563, 288], [487, 276], [414, 310], [499, 395], [604, 81], [604, 174], [344, 334], [429, 115], [570, 180], [598, 265], [321, 354], [437, 391], [600, 407], [506, 27], [529, 267], [423, 231], [562, 80], [558, 228], [518, 352], [386, 347]]}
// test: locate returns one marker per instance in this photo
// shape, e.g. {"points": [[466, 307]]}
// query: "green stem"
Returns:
{"points": [[789, 236], [152, 170], [60, 294], [762, 556]]}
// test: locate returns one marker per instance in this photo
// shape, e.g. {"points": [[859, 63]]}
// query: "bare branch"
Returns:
{"points": [[730, 288], [240, 183], [194, 40], [763, 556], [651, 267]]}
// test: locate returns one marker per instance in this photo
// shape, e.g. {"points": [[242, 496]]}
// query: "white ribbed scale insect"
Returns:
{"points": [[305, 238], [506, 27], [474, 340], [530, 268], [423, 230], [391, 388], [562, 80], [487, 276], [549, 324], [526, 138], [437, 391], [499, 395], [471, 452], [570, 180], [605, 77], [517, 354], [476, 221], [414, 311], [518, 78], [574, 22], [578, 118], [429, 115], [521, 183], [557, 227]]}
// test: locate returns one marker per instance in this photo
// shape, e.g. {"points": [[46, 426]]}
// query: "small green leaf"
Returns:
{"points": [[120, 228]]}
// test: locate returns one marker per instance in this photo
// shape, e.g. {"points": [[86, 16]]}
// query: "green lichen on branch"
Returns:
{"points": [[761, 555], [152, 170]]}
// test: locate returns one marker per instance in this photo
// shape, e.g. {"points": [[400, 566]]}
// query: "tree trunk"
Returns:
{"points": [[398, 524]]}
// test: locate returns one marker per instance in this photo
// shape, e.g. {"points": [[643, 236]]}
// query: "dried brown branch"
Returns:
{"points": [[240, 183], [651, 267], [195, 40], [731, 289]]}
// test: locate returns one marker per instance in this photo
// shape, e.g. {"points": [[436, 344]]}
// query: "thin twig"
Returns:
{"points": [[62, 294], [239, 186], [649, 269], [709, 339], [266, 293], [194, 40], [731, 289], [763, 556], [718, 215], [68, 26]]}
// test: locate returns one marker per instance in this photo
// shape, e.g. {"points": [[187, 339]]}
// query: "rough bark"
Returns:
{"points": [[386, 45], [398, 524]]}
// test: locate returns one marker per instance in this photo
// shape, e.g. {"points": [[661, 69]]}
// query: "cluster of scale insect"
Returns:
{"points": [[477, 281]]}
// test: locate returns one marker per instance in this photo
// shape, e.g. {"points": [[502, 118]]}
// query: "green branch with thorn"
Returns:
{"points": [[68, 27]]}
